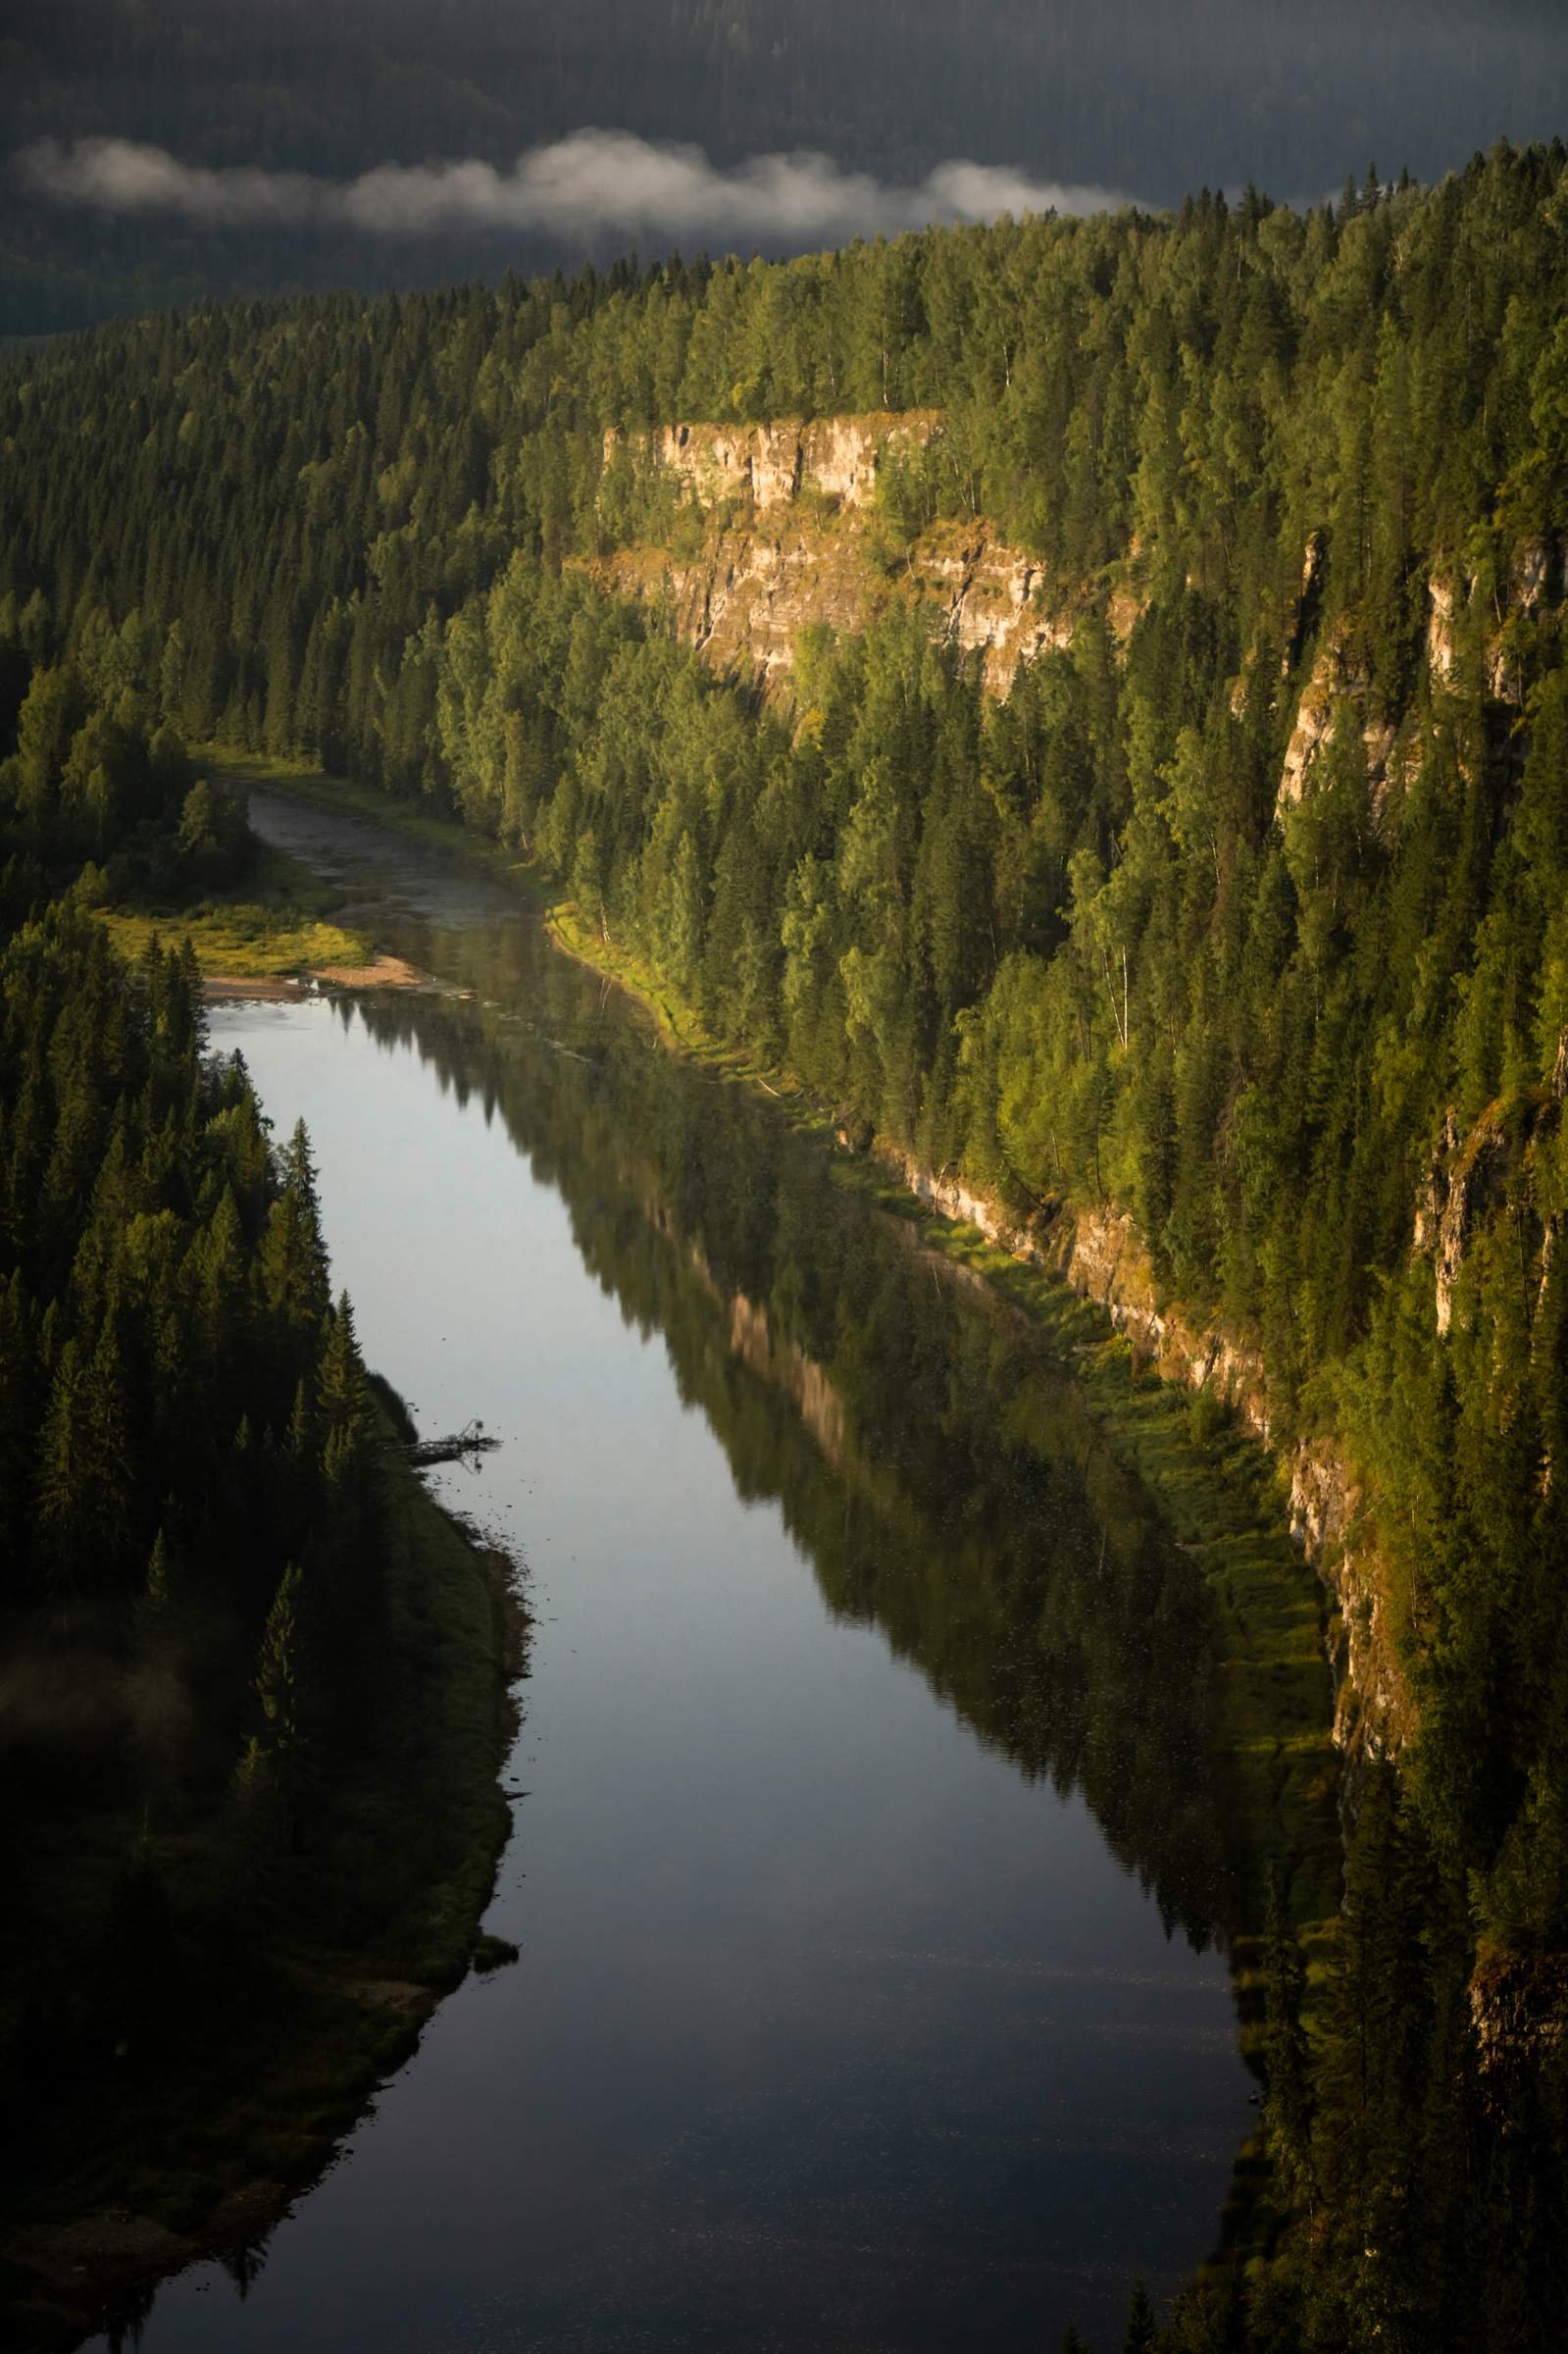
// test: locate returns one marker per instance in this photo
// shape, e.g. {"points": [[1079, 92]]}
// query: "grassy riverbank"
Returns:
{"points": [[194, 2138], [277, 921]]}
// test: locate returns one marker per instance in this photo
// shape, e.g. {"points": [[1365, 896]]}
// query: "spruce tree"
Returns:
{"points": [[1142, 2329]]}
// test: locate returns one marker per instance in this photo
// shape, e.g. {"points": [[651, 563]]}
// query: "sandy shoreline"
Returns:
{"points": [[383, 972]]}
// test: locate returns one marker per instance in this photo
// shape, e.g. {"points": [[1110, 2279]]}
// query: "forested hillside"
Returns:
{"points": [[1245, 909], [208, 1565]]}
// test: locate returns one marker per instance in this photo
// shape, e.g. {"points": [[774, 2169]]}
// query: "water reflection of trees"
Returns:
{"points": [[941, 1477]]}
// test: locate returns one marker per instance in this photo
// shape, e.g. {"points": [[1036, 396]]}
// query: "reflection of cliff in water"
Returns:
{"points": [[941, 1477]]}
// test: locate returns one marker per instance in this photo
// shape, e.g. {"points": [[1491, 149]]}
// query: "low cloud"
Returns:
{"points": [[595, 180]]}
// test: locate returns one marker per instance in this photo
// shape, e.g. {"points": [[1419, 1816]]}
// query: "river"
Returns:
{"points": [[872, 1883]]}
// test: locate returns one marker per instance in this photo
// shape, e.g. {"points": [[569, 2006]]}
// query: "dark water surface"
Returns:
{"points": [[871, 1885]]}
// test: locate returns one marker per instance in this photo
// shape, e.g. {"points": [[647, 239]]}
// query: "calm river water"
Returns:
{"points": [[871, 1884]]}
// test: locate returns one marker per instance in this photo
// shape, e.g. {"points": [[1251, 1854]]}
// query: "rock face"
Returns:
{"points": [[744, 601], [1100, 1254], [769, 465], [745, 598], [1519, 2009], [787, 545], [996, 606], [1475, 1177], [1467, 1180], [1443, 598], [1372, 1707], [1341, 689], [1518, 598], [1335, 695], [1528, 576]]}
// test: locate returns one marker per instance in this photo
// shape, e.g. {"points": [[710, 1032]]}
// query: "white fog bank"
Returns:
{"points": [[593, 180]]}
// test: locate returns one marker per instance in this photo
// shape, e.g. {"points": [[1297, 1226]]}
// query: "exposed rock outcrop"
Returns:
{"points": [[1528, 574], [771, 465], [1514, 600], [786, 538], [1443, 598], [1470, 1178], [1337, 694], [1472, 1181], [996, 605], [1341, 689], [1519, 2008], [1100, 1254], [1373, 1709], [786, 544], [745, 598]]}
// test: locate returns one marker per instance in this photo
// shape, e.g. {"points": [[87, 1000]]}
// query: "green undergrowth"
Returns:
{"points": [[342, 1954]]}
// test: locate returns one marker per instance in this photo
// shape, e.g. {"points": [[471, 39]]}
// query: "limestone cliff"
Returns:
{"points": [[769, 466], [1465, 625], [788, 535], [1480, 1182], [1336, 696], [1490, 1173]]}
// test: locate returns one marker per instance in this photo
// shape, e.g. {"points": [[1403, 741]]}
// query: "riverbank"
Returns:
{"points": [[1224, 1495], [273, 939], [1219, 1490], [1216, 1487], [198, 2147], [277, 923], [378, 971]]}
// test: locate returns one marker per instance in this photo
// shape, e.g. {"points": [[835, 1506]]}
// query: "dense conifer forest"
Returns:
{"points": [[1080, 943], [180, 1389], [205, 1583]]}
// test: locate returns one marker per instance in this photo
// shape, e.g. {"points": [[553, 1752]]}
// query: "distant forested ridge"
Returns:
{"points": [[1245, 912]]}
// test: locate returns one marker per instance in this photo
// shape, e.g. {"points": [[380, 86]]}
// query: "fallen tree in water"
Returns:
{"points": [[456, 1449]]}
